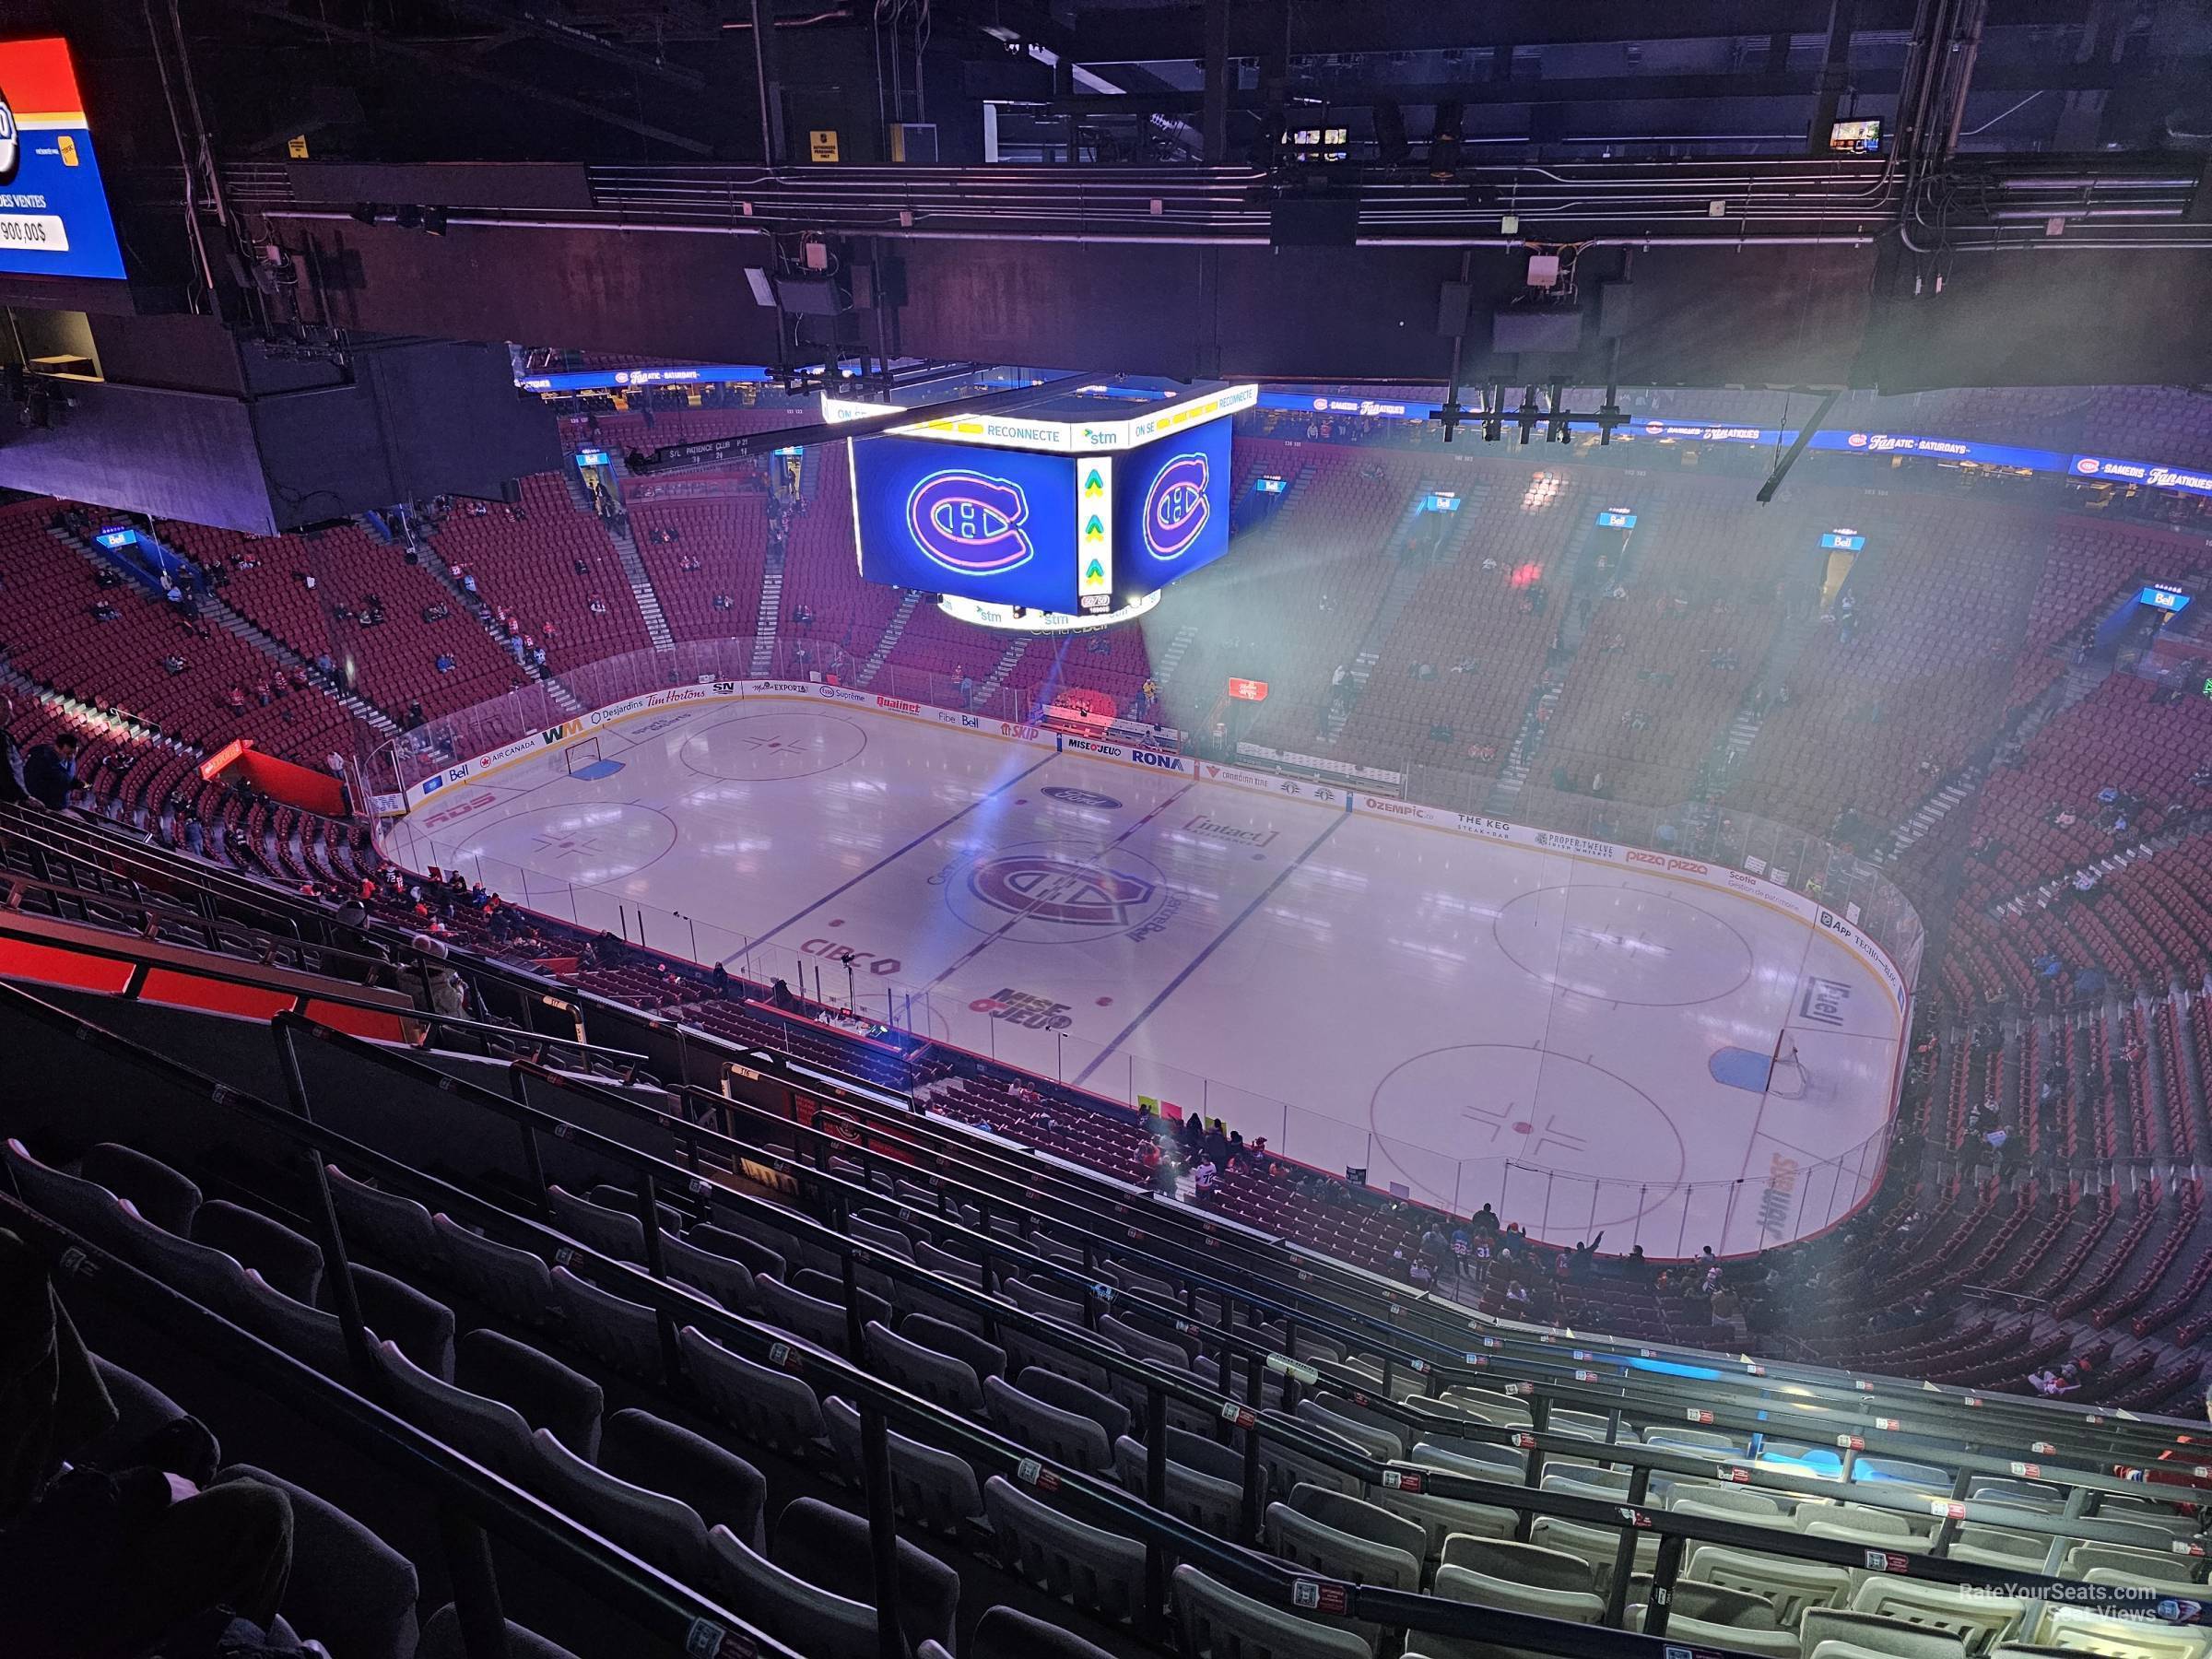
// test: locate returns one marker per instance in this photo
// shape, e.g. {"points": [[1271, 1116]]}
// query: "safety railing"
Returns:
{"points": [[1163, 1535], [475, 1505]]}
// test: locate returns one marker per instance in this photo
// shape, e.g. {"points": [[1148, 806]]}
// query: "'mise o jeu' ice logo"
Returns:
{"points": [[969, 521], [1175, 507]]}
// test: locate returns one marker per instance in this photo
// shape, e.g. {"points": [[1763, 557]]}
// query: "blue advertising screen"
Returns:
{"points": [[1846, 541], [983, 523], [2164, 598], [53, 211], [1171, 504], [1615, 518]]}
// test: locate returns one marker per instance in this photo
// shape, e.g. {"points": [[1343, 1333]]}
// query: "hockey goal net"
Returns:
{"points": [[579, 757]]}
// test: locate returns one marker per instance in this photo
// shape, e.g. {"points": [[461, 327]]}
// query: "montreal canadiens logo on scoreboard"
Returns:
{"points": [[969, 522], [1175, 507]]}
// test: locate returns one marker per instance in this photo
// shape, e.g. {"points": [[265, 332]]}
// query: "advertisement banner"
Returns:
{"points": [[53, 210]]}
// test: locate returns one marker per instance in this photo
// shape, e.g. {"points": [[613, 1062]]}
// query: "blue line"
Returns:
{"points": [[1167, 990], [890, 858]]}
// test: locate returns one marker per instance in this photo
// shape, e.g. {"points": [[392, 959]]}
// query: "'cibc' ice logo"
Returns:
{"points": [[1175, 507], [969, 521]]}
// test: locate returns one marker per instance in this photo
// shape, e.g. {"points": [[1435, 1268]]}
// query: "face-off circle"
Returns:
{"points": [[1049, 892], [1563, 1125], [1623, 945], [768, 746], [583, 843]]}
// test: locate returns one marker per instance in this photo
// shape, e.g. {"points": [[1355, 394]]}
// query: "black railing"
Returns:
{"points": [[1104, 1504]]}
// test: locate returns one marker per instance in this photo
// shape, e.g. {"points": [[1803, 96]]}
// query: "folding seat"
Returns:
{"points": [[829, 1548], [1216, 1622], [164, 1197], [347, 1587], [490, 1431], [209, 1276], [510, 1281], [1203, 1479], [1858, 1633], [546, 1393], [720, 1276], [1099, 1571], [812, 1620], [661, 1530], [770, 1408], [1069, 1438], [1790, 1586], [818, 1322], [1977, 1619], [613, 1232], [621, 1332], [422, 1325], [935, 1489], [286, 1260], [307, 1334], [725, 1489], [1523, 1563], [2077, 1630], [984, 1359], [1041, 1383]]}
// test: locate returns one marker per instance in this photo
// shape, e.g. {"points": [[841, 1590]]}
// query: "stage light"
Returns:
{"points": [[367, 211], [434, 221], [409, 218]]}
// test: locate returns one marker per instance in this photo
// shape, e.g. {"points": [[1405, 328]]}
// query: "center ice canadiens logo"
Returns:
{"points": [[1175, 507], [970, 523], [1052, 890]]}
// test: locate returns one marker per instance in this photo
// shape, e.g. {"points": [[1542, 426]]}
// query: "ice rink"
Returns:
{"points": [[1587, 1047]]}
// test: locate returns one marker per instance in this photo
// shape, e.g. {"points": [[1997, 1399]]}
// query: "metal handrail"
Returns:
{"points": [[1163, 1532], [665, 1609]]}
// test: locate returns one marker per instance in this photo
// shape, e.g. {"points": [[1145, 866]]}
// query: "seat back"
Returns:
{"points": [[391, 1223], [771, 1407], [810, 1619], [1792, 1586], [303, 1332], [984, 1359], [286, 1260], [1215, 1623], [664, 1531], [829, 1548], [1895, 1637], [1523, 1563], [1979, 1621], [2082, 1631], [548, 1394], [934, 1488], [728, 1282], [820, 1323], [937, 1377], [1074, 1441], [509, 1281], [623, 1333], [1099, 1571], [164, 1196], [661, 1456], [490, 1431], [1577, 1606], [83, 1207], [608, 1231], [1204, 1500], [203, 1273], [1041, 1383]]}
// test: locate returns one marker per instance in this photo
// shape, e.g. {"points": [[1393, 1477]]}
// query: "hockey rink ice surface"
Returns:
{"points": [[1587, 1047]]}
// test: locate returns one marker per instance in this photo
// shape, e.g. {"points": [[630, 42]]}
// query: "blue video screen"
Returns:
{"points": [[993, 525], [1171, 505]]}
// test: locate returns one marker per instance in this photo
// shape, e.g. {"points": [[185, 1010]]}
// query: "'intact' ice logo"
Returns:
{"points": [[1175, 507], [1031, 884], [970, 523]]}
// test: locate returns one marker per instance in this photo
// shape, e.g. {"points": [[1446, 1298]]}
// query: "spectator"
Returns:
{"points": [[1203, 1177], [49, 773], [104, 1562]]}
